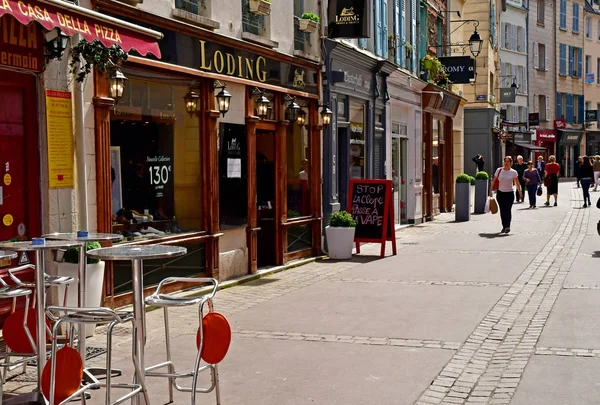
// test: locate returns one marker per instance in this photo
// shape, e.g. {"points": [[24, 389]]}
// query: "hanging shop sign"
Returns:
{"points": [[59, 121], [72, 19], [560, 124], [21, 46], [534, 119], [508, 95], [460, 69], [546, 135], [370, 203], [348, 19], [591, 115], [589, 78]]}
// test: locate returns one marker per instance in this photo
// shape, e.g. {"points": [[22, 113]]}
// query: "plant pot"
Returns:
{"points": [[481, 195], [306, 25], [462, 210], [259, 7], [340, 242], [94, 283]]}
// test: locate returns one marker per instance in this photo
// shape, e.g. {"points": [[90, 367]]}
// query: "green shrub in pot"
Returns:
{"points": [[472, 180], [463, 179], [482, 176], [341, 219], [72, 254]]}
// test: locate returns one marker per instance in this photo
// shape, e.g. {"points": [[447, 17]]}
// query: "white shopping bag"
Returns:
{"points": [[487, 206]]}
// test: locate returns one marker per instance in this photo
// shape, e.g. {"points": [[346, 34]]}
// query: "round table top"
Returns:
{"points": [[137, 252], [29, 247], [7, 254], [91, 237]]}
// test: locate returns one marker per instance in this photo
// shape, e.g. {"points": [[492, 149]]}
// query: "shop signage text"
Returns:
{"points": [[508, 95], [59, 122], [545, 135], [560, 124], [460, 69], [21, 46], [591, 115], [357, 80], [348, 19], [534, 118], [227, 63]]}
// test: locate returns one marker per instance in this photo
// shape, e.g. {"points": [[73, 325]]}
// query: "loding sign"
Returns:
{"points": [[59, 121], [21, 46], [348, 18], [534, 118], [508, 95], [460, 69], [71, 22]]}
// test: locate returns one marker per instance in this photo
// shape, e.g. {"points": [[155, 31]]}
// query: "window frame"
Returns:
{"points": [[541, 12]]}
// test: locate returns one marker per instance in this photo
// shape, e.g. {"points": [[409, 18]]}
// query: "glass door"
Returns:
{"points": [[402, 212], [396, 176]]}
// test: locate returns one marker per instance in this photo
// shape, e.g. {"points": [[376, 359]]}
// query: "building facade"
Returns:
{"points": [[591, 91]]}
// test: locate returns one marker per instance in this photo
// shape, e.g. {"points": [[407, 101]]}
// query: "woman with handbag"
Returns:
{"points": [[532, 181], [551, 180], [504, 179], [586, 171]]}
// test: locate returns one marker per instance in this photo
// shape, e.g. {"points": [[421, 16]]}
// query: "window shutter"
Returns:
{"points": [[535, 103], [547, 117], [400, 55], [575, 17], [547, 58], [558, 106], [571, 65], [570, 108], [513, 37], [413, 32], [563, 59], [378, 45], [563, 14], [580, 109], [384, 28], [579, 62], [536, 56]]}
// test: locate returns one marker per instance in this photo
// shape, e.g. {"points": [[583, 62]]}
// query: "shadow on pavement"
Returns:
{"points": [[493, 235], [357, 258]]}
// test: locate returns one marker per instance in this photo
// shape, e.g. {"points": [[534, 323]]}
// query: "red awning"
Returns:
{"points": [[72, 19]]}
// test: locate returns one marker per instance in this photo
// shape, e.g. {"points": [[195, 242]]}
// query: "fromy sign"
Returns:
{"points": [[460, 69]]}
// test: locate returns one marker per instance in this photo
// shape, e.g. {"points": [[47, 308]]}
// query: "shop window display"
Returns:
{"points": [[298, 172], [155, 159], [358, 143]]}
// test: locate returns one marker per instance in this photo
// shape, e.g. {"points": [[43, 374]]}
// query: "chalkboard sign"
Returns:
{"points": [[370, 204]]}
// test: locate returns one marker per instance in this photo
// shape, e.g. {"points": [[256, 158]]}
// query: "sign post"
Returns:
{"points": [[370, 203]]}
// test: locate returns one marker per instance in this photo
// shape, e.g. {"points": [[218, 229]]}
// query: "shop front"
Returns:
{"points": [[568, 150], [522, 145], [39, 105], [545, 138], [404, 162], [354, 145], [234, 180], [483, 136], [592, 143], [439, 108]]}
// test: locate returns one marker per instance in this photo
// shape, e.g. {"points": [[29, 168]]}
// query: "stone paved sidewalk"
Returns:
{"points": [[460, 315]]}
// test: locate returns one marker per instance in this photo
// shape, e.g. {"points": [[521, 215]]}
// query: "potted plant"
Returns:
{"points": [[481, 191], [340, 235], [260, 7], [409, 48], [462, 210], [433, 68], [94, 280], [309, 22]]}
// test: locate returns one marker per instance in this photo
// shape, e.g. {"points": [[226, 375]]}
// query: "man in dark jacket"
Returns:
{"points": [[541, 166], [520, 167], [577, 169], [479, 162]]}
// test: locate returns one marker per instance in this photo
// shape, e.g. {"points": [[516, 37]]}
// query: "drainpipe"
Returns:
{"points": [[82, 190], [527, 69]]}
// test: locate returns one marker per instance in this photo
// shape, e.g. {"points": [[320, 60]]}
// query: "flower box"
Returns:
{"points": [[307, 25], [259, 7]]}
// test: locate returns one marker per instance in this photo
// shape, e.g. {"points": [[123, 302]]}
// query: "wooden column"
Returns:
{"points": [[210, 177], [251, 230], [281, 135], [316, 130], [427, 175]]}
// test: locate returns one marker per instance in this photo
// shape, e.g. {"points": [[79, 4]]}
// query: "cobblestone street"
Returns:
{"points": [[460, 315]]}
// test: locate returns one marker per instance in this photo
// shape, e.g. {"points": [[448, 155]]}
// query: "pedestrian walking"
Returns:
{"points": [[533, 180], [551, 180], [578, 171], [520, 168], [586, 171], [506, 177], [596, 166], [479, 162], [541, 166]]}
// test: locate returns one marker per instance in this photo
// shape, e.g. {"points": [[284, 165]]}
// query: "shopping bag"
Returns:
{"points": [[493, 206], [539, 191], [487, 206]]}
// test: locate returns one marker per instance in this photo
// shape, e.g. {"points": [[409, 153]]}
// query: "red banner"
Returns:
{"points": [[78, 20], [548, 135]]}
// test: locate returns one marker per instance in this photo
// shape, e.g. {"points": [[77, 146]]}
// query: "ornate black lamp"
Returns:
{"points": [[116, 85], [223, 97]]}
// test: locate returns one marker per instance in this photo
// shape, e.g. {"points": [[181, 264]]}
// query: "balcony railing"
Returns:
{"points": [[251, 22], [191, 6]]}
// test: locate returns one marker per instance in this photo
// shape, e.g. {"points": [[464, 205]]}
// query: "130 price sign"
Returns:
{"points": [[159, 172]]}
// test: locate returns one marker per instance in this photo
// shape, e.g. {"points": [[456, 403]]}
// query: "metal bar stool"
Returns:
{"points": [[49, 281], [100, 315], [167, 301]]}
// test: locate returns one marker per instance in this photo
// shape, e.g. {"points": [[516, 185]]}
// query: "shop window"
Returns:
{"points": [[155, 159], [299, 238], [298, 172], [358, 144], [233, 176]]}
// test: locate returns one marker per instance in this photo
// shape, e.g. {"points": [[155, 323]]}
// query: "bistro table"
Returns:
{"points": [[84, 237], [137, 254], [39, 246]]}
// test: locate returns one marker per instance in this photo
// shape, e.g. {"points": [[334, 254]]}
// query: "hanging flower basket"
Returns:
{"points": [[306, 25], [427, 64], [260, 7]]}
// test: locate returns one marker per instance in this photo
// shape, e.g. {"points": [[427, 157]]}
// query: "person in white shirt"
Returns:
{"points": [[507, 178]]}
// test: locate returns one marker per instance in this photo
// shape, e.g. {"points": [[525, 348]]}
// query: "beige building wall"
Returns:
{"points": [[542, 68], [591, 49]]}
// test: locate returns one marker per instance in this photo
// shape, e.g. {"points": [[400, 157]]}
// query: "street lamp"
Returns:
{"points": [[326, 114], [262, 106], [56, 43], [301, 119], [192, 103], [116, 85], [292, 110], [223, 98], [475, 43]]}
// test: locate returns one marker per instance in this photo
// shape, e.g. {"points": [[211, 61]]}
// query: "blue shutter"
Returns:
{"points": [[377, 25], [493, 25], [563, 14], [580, 109], [384, 28], [400, 54], [413, 31], [571, 66], [570, 108], [559, 107], [580, 62], [575, 17], [563, 59]]}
